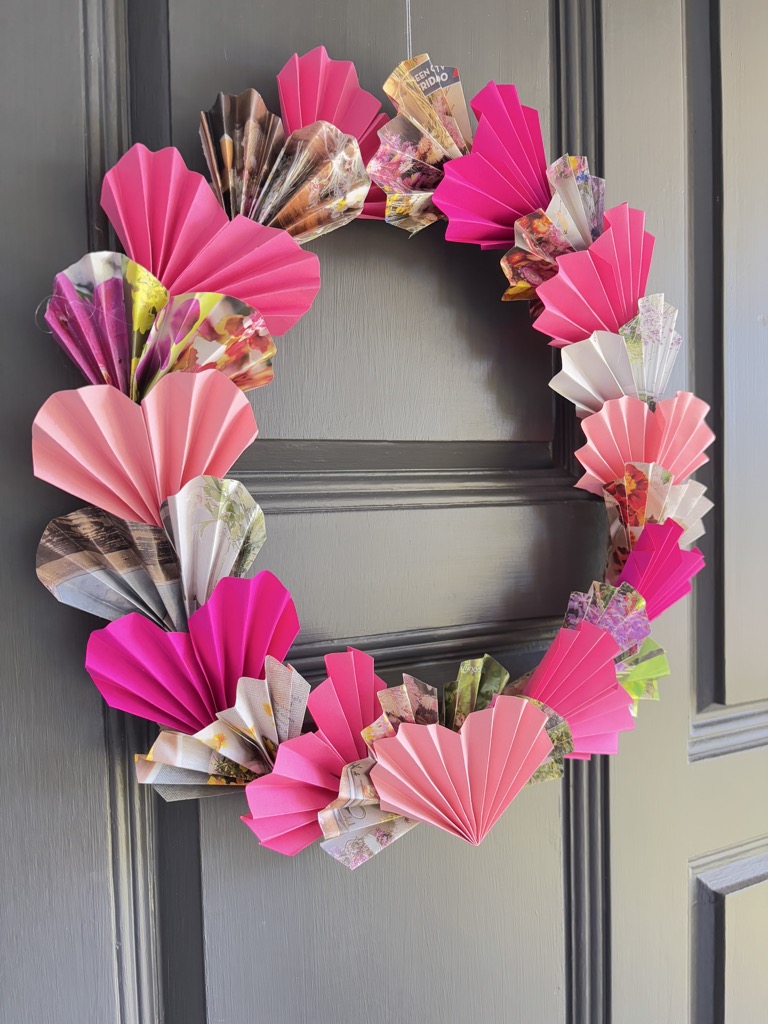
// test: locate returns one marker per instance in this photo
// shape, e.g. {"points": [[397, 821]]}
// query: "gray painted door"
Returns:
{"points": [[417, 483]]}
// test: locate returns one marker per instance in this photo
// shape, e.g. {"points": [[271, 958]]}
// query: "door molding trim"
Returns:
{"points": [[577, 90], [711, 878], [716, 728]]}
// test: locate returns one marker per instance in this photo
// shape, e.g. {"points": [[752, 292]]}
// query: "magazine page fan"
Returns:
{"points": [[101, 313], [238, 746], [108, 567], [216, 529], [207, 331]]}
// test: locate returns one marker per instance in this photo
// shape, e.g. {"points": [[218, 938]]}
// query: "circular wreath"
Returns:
{"points": [[211, 273]]}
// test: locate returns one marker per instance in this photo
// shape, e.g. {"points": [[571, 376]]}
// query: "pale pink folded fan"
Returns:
{"points": [[659, 569], [502, 179], [674, 435], [285, 804], [462, 781], [314, 87], [181, 680], [125, 458], [169, 221], [577, 679], [598, 289]]}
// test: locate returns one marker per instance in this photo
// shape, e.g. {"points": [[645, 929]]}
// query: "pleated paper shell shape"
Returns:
{"points": [[627, 430], [217, 530], [169, 222], [305, 779], [462, 781], [308, 184], [577, 679], [182, 680], [97, 444], [101, 313], [598, 289], [100, 564], [314, 87], [637, 361], [117, 324], [502, 179], [659, 569]]}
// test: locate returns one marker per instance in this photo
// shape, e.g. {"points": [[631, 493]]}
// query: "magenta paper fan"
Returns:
{"points": [[625, 430], [462, 781], [97, 444], [314, 87], [598, 289], [284, 805], [181, 680], [502, 179], [170, 222], [577, 679], [659, 569]]}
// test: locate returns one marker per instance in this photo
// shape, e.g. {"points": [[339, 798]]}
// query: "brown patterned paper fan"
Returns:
{"points": [[309, 183]]}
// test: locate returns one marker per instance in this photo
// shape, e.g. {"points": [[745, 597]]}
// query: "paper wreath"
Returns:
{"points": [[164, 546]]}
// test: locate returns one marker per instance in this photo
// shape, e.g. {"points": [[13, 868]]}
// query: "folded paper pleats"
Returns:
{"points": [[577, 679], [169, 222], [284, 805], [126, 458], [239, 745], [658, 567], [182, 680], [462, 781], [598, 289], [626, 430], [485, 192]]}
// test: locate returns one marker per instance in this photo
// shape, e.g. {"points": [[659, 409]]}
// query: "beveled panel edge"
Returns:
{"points": [[712, 877], [416, 649], [720, 729], [351, 491], [703, 98]]}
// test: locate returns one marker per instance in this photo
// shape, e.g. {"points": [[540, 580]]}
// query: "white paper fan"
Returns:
{"points": [[637, 361]]}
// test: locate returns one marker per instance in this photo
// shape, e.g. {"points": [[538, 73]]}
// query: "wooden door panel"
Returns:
{"points": [[684, 808]]}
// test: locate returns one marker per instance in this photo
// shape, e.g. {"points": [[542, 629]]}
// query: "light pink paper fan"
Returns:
{"points": [[577, 679], [598, 289], [125, 458], [659, 569], [314, 87], [502, 179], [181, 680], [305, 779], [627, 430], [462, 781], [169, 221]]}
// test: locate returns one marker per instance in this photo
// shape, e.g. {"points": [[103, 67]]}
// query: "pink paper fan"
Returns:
{"points": [[169, 221], [462, 781], [659, 569], [316, 88], [125, 458], [627, 430], [284, 805], [598, 289], [577, 679], [181, 680], [502, 179]]}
